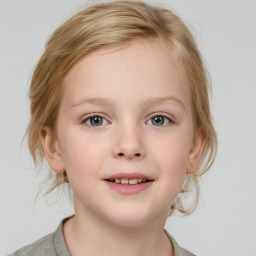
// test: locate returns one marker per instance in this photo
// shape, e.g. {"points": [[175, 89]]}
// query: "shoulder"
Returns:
{"points": [[178, 251], [41, 247], [50, 245]]}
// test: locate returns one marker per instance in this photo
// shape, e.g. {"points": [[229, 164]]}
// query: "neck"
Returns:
{"points": [[89, 235]]}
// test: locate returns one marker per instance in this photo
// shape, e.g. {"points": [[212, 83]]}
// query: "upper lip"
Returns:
{"points": [[134, 175]]}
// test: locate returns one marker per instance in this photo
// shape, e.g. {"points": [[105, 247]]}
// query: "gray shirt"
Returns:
{"points": [[54, 245]]}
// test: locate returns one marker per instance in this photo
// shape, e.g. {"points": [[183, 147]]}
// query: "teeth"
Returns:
{"points": [[124, 181], [128, 181], [133, 181]]}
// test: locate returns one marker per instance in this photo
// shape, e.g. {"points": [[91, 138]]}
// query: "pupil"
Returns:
{"points": [[96, 120], [158, 120]]}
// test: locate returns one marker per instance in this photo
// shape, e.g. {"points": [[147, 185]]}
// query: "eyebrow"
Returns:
{"points": [[160, 100], [93, 101], [152, 101]]}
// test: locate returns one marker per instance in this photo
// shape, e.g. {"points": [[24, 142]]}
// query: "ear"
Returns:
{"points": [[196, 151], [51, 149]]}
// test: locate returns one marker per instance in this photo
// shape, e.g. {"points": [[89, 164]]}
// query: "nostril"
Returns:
{"points": [[122, 154]]}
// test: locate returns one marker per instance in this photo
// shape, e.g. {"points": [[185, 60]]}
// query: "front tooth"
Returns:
{"points": [[117, 180], [133, 181], [124, 181]]}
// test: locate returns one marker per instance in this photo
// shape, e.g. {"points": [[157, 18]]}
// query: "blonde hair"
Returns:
{"points": [[111, 24]]}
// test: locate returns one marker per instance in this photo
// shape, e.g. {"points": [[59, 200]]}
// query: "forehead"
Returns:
{"points": [[127, 70]]}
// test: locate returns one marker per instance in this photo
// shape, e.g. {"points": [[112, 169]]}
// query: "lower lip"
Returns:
{"points": [[127, 189]]}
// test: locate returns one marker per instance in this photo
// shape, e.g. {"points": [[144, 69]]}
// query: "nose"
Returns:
{"points": [[129, 144]]}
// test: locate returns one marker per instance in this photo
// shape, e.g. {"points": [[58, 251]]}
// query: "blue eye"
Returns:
{"points": [[95, 120], [159, 120]]}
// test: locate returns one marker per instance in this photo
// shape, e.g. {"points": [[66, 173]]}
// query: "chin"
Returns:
{"points": [[130, 222], [132, 217]]}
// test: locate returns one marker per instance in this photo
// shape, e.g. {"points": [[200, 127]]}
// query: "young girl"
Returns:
{"points": [[119, 108]]}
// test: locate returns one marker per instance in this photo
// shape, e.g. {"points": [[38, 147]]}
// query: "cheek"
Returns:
{"points": [[82, 157], [170, 152], [171, 163], [171, 159]]}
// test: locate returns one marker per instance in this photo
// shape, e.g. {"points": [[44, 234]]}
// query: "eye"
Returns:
{"points": [[95, 120], [159, 120]]}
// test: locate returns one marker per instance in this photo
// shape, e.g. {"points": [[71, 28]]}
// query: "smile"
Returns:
{"points": [[129, 183]]}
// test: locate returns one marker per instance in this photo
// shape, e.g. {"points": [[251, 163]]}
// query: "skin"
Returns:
{"points": [[130, 81]]}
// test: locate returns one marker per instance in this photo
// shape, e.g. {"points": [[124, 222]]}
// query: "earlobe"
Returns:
{"points": [[51, 149], [196, 152]]}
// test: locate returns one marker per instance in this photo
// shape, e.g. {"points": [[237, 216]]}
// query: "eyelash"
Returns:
{"points": [[164, 116], [87, 118]]}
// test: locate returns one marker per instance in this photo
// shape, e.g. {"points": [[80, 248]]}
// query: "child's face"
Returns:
{"points": [[142, 126]]}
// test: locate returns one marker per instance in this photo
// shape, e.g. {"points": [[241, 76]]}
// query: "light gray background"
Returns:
{"points": [[225, 222]]}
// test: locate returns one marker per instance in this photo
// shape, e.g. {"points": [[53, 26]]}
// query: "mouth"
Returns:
{"points": [[129, 183], [126, 181]]}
